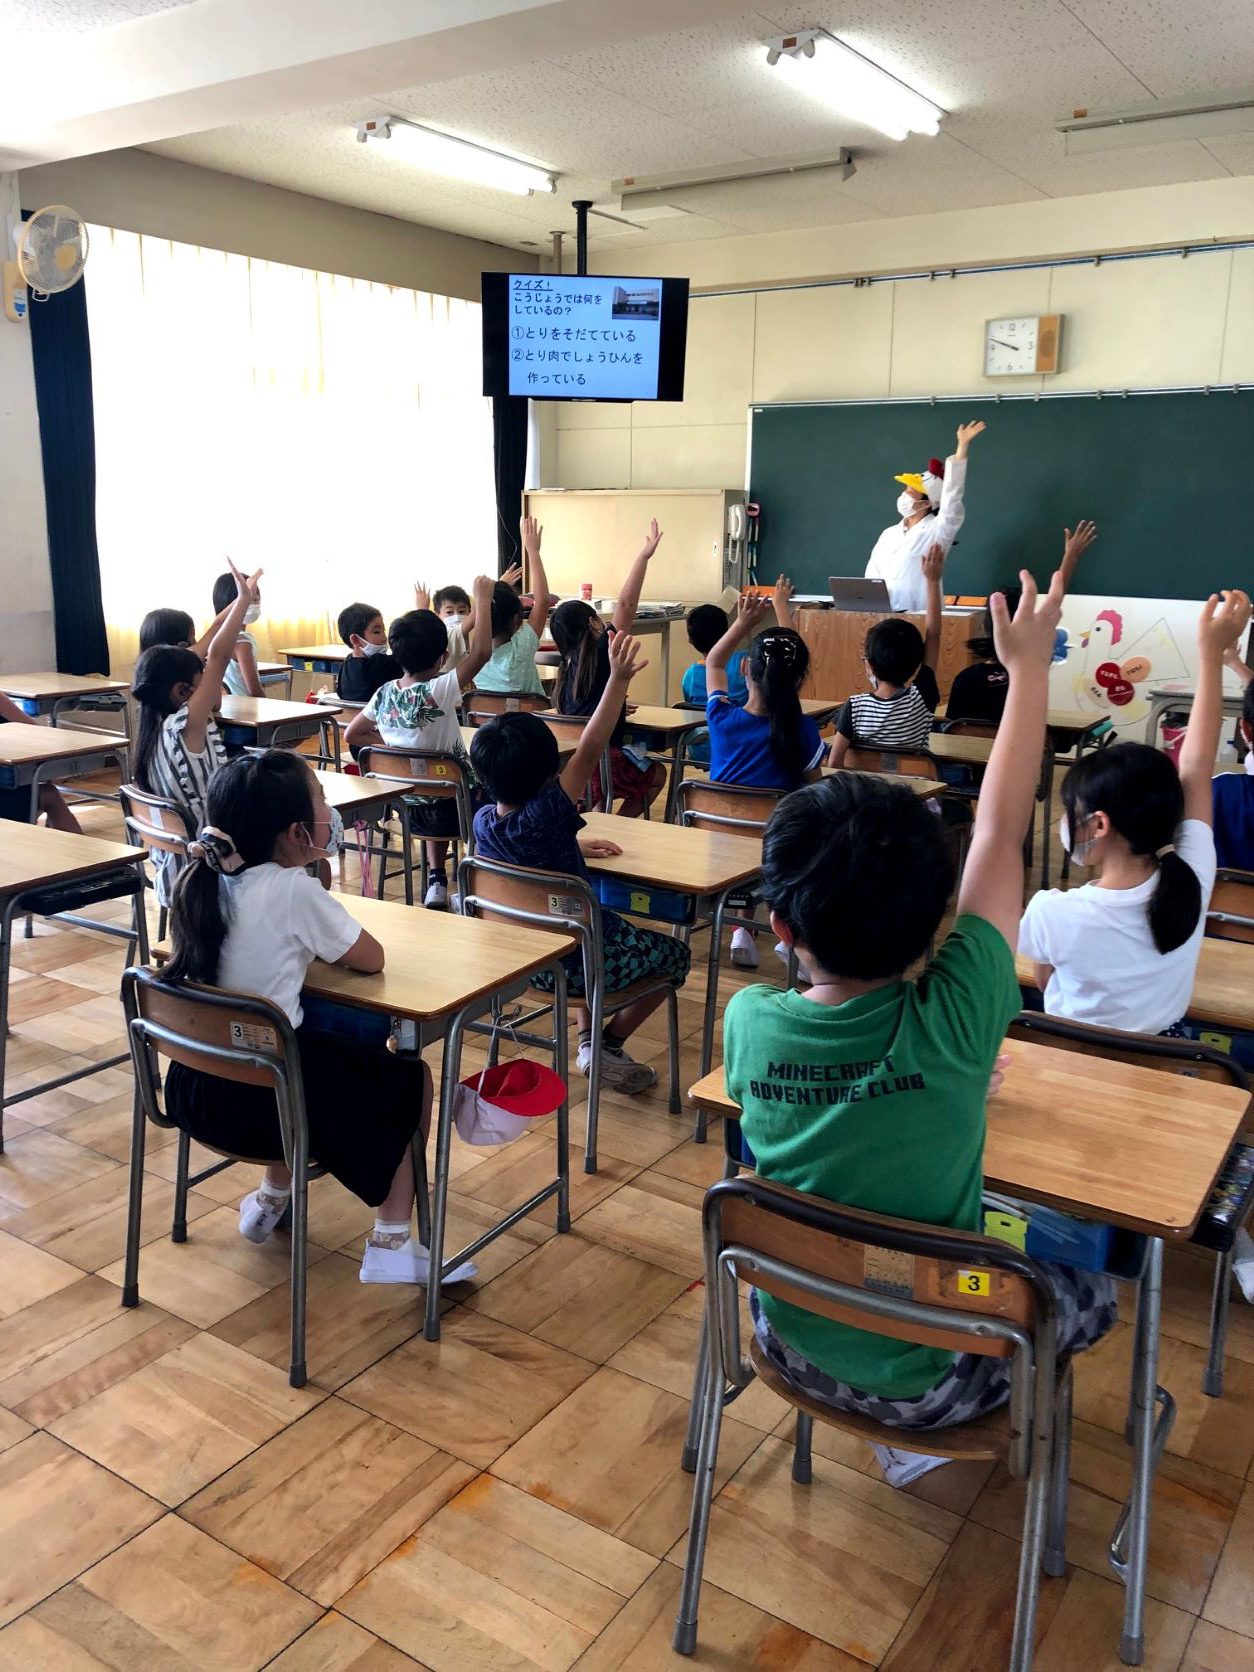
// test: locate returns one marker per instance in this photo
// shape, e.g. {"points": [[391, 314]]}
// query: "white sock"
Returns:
{"points": [[389, 1235], [274, 1195]]}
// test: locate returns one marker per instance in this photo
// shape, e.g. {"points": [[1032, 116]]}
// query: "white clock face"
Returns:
{"points": [[1010, 347]]}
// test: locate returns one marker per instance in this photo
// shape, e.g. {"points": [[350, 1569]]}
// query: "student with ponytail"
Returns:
{"points": [[1122, 950], [246, 916], [178, 746]]}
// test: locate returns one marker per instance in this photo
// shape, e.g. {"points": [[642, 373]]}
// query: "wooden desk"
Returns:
{"points": [[51, 693], [441, 972], [277, 673], [705, 865], [32, 857], [316, 658], [34, 755], [1179, 694], [1131, 1146], [924, 788], [267, 723], [836, 637], [971, 751], [1223, 988]]}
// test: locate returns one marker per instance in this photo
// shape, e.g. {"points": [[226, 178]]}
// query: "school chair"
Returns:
{"points": [[420, 775], [957, 1290], [564, 904], [568, 728], [921, 763], [1230, 915], [158, 825], [479, 706], [248, 1041], [1233, 1196]]}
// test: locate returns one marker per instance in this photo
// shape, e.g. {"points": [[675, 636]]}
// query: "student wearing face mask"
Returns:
{"points": [[1233, 792], [1122, 950], [246, 917], [931, 509], [241, 677]]}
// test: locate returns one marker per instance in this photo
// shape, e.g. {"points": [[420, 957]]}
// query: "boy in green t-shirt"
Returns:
{"points": [[868, 1088]]}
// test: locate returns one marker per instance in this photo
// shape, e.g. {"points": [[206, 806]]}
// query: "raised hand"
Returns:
{"points": [[513, 574], [422, 595], [246, 586], [1075, 542], [782, 599], [482, 592], [532, 532], [651, 540], [967, 434], [750, 610], [1224, 620], [933, 563], [1027, 641], [625, 661]]}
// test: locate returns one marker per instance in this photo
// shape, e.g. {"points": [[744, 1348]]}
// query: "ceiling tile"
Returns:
{"points": [[74, 17]]}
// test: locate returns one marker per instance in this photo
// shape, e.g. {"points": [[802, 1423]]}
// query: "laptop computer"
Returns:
{"points": [[858, 594]]}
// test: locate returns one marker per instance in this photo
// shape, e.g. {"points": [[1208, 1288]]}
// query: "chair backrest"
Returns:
{"points": [[157, 823], [551, 900], [479, 706], [1230, 915], [908, 763], [704, 805], [1142, 1050], [432, 773], [569, 728]]}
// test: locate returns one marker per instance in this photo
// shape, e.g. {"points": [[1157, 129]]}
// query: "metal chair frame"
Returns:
{"points": [[1232, 887], [142, 813], [574, 910], [432, 774]]}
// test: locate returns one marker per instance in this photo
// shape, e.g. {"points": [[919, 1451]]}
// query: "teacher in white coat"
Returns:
{"points": [[932, 509]]}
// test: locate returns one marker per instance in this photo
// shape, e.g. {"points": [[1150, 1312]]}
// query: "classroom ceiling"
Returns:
{"points": [[1003, 70], [74, 17]]}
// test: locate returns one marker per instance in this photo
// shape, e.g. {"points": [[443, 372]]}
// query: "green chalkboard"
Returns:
{"points": [[1168, 478]]}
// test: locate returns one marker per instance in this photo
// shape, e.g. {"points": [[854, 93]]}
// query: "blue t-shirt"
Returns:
{"points": [[1233, 800], [737, 689], [740, 747], [541, 834]]}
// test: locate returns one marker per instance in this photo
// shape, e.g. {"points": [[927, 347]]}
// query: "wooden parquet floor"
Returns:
{"points": [[510, 1497]]}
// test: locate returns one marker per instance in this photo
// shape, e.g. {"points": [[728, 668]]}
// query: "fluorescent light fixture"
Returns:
{"points": [[654, 188], [461, 159], [1159, 123], [826, 69]]}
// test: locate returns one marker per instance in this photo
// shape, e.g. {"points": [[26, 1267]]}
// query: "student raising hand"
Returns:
{"points": [[933, 564], [1026, 639], [782, 599], [625, 661], [1075, 542], [651, 540]]}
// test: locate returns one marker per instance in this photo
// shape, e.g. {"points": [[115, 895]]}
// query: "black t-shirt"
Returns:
{"points": [[979, 693], [361, 676], [569, 703]]}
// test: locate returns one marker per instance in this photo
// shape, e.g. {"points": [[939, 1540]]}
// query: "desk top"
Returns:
{"points": [[317, 652], [696, 862], [50, 743], [1130, 1146], [269, 711], [922, 787], [32, 856], [33, 686], [436, 961], [346, 792], [653, 717], [946, 747], [1223, 988]]}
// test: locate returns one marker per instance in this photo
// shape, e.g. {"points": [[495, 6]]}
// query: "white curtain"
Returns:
{"points": [[326, 429]]}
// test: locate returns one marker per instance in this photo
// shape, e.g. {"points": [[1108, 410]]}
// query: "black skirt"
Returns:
{"points": [[362, 1102]]}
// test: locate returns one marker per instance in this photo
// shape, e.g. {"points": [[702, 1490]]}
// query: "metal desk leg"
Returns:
{"points": [[1144, 1390], [711, 998], [1158, 707], [665, 636], [450, 1073]]}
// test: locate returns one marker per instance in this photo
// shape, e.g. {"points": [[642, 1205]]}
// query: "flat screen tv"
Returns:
{"points": [[562, 337]]}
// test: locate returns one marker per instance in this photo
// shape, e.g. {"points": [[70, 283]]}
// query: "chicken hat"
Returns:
{"points": [[927, 482]]}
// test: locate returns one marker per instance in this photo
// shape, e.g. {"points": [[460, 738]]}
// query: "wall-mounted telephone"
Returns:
{"points": [[737, 521]]}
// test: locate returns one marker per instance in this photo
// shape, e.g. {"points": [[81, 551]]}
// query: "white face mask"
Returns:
{"points": [[907, 504], [369, 649], [1249, 762], [336, 839], [251, 614], [1078, 852]]}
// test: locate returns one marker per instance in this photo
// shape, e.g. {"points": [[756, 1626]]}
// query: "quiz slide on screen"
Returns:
{"points": [[588, 337]]}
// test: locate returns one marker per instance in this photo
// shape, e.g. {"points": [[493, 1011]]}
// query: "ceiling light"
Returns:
{"points": [[1158, 123], [826, 69], [460, 158]]}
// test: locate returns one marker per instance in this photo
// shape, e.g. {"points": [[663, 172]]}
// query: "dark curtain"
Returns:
{"points": [[61, 349], [509, 451]]}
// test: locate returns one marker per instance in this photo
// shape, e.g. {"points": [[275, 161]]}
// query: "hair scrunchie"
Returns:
{"points": [[1161, 853], [218, 851]]}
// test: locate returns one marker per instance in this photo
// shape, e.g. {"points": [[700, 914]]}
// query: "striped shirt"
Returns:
{"points": [[902, 721], [182, 775]]}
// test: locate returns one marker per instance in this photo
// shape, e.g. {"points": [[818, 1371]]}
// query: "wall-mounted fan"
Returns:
{"points": [[52, 249]]}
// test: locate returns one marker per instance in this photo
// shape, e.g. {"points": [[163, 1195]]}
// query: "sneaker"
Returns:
{"points": [[258, 1220], [436, 897], [744, 950], [410, 1263], [619, 1072], [803, 974], [1243, 1263]]}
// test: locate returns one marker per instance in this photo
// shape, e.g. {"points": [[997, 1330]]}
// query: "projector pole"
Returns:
{"points": [[581, 206]]}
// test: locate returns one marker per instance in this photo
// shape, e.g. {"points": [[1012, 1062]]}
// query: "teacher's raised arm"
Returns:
{"points": [[931, 507]]}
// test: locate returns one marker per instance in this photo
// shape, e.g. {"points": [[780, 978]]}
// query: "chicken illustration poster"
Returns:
{"points": [[1118, 650]]}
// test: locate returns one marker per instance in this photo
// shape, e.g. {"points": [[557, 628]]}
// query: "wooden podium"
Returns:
{"points": [[836, 637]]}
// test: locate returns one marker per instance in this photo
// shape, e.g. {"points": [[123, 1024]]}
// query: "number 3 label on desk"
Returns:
{"points": [[973, 1283]]}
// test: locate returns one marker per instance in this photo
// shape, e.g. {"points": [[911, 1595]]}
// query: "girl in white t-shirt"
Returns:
{"points": [[1121, 951], [247, 916]]}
